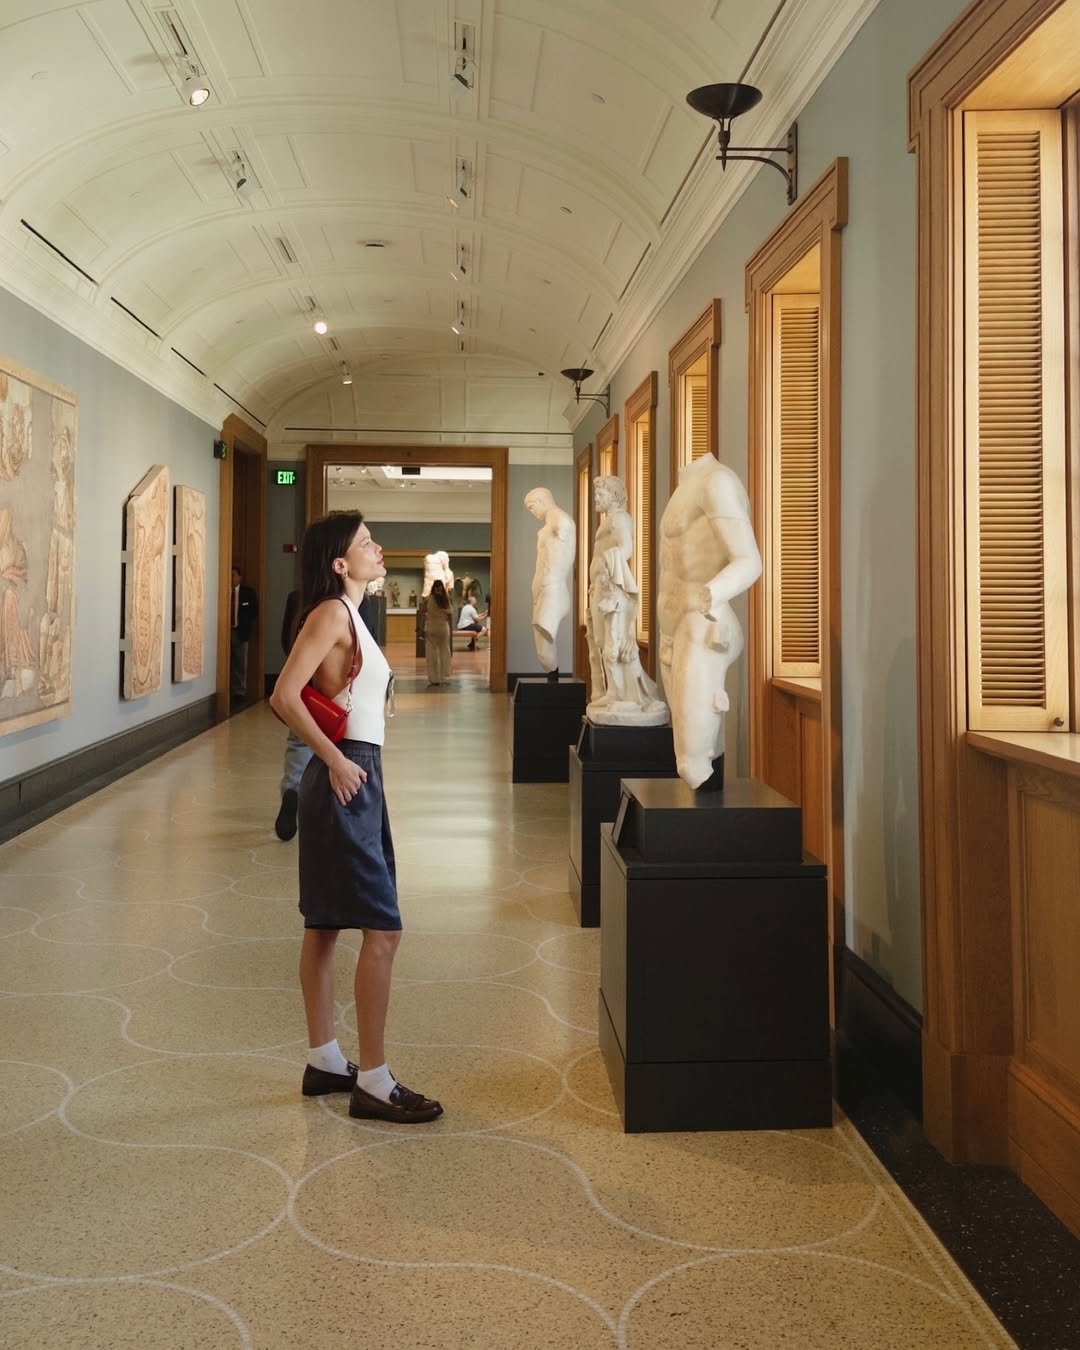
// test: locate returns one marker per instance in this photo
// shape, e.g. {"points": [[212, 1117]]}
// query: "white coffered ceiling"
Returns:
{"points": [[569, 180]]}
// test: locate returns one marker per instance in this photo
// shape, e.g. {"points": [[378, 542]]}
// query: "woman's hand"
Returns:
{"points": [[346, 778]]}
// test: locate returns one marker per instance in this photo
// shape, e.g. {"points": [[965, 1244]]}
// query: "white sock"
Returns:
{"points": [[328, 1057], [378, 1082]]}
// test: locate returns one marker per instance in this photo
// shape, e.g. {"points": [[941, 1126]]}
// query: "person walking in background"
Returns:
{"points": [[297, 751], [245, 616], [437, 618], [347, 869]]}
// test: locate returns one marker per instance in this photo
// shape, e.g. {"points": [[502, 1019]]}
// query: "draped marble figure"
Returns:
{"points": [[621, 693], [708, 556], [555, 548]]}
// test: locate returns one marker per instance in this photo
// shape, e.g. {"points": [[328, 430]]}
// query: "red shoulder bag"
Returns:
{"points": [[330, 717]]}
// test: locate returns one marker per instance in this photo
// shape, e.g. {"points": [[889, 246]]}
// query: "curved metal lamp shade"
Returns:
{"points": [[577, 375], [723, 102]]}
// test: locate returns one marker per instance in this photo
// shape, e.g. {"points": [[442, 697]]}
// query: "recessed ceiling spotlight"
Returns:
{"points": [[374, 243], [566, 209], [194, 88], [40, 75], [455, 329], [320, 326], [451, 202], [599, 98]]}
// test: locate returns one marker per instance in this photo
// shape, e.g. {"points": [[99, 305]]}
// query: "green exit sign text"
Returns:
{"points": [[286, 477]]}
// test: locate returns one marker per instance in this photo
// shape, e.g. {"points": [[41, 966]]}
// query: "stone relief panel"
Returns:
{"points": [[146, 538], [189, 582], [37, 547]]}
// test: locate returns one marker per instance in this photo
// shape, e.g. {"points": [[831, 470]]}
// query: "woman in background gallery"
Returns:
{"points": [[347, 872], [437, 619]]}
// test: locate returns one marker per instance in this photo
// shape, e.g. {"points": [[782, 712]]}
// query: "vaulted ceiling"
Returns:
{"points": [[562, 179]]}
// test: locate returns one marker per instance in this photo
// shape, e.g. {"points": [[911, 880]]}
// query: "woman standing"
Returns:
{"points": [[437, 619], [347, 873]]}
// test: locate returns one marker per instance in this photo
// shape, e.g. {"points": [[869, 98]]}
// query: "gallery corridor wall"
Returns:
{"points": [[124, 427], [859, 111]]}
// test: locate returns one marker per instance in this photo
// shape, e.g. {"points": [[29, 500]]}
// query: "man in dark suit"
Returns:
{"points": [[245, 616]]}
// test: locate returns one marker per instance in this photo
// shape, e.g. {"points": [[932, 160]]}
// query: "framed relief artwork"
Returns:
{"points": [[146, 541], [37, 547], [189, 582]]}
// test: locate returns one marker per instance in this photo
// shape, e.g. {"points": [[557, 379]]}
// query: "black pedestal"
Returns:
{"points": [[377, 613], [421, 618], [547, 717], [603, 757], [714, 1006]]}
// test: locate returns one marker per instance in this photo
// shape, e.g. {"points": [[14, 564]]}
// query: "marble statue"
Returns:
{"points": [[708, 556], [556, 545], [376, 587], [621, 694], [437, 568]]}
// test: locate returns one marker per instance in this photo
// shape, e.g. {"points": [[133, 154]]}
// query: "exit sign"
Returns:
{"points": [[286, 477]]}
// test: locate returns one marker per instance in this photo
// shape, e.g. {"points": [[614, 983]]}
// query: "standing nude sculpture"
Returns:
{"points": [[708, 555], [555, 549], [621, 694]]}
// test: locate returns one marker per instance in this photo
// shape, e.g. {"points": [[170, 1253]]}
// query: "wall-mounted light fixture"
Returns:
{"points": [[194, 86], [723, 103], [577, 375]]}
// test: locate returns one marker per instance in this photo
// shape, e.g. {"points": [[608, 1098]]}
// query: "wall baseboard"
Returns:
{"points": [[29, 798], [882, 1027]]}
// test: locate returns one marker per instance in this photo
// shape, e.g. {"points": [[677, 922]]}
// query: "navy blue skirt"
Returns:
{"points": [[347, 874]]}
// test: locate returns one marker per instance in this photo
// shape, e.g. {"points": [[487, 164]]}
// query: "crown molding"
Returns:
{"points": [[79, 310], [710, 195]]}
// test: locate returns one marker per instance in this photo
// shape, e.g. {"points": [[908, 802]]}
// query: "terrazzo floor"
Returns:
{"points": [[165, 1184]]}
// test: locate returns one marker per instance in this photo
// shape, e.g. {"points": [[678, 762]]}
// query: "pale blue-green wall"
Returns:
{"points": [[124, 427], [859, 111]]}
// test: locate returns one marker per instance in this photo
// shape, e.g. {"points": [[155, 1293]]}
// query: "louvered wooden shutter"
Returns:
{"points": [[642, 509], [1014, 426], [796, 484], [697, 409]]}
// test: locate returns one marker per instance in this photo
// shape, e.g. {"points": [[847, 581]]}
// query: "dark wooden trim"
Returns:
{"points": [[497, 458], [34, 796], [884, 1028], [702, 338]]}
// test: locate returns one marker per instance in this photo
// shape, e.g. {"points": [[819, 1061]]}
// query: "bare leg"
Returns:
{"points": [[372, 988], [317, 983]]}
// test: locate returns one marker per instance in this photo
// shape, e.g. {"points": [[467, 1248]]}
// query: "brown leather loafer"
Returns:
{"points": [[403, 1108], [317, 1082]]}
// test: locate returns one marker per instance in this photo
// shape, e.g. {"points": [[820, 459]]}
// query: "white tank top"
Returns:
{"points": [[367, 720]]}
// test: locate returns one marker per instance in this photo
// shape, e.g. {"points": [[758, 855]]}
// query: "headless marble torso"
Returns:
{"points": [[555, 549], [707, 556]]}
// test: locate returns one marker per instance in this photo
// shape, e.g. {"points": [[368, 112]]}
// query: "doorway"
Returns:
{"points": [[483, 569], [241, 542]]}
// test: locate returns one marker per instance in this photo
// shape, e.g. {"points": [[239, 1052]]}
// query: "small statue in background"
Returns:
{"points": [[621, 694]]}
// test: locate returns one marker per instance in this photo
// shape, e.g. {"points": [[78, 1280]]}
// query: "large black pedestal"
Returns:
{"points": [[602, 757], [714, 1008], [547, 717]]}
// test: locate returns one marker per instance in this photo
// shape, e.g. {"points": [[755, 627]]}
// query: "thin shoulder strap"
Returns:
{"points": [[357, 659]]}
